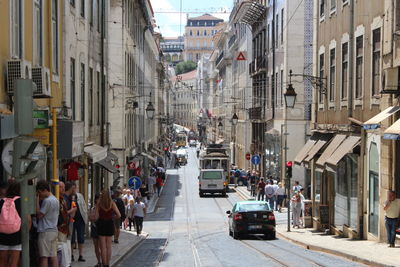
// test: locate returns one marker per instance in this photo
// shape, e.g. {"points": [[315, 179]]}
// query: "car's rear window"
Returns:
{"points": [[212, 175], [254, 207]]}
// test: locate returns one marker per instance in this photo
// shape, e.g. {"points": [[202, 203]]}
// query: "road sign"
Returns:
{"points": [[248, 156], [255, 159], [134, 183], [241, 56]]}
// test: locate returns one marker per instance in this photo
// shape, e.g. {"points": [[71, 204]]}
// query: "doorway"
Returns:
{"points": [[373, 203]]}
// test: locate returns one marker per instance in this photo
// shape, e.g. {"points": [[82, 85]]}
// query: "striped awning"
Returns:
{"points": [[375, 121]]}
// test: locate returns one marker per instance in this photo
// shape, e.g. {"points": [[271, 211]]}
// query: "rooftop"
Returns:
{"points": [[205, 17]]}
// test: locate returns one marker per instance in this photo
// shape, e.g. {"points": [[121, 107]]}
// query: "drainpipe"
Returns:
{"points": [[351, 61]]}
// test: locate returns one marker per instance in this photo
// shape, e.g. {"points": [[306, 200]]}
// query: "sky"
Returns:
{"points": [[169, 23]]}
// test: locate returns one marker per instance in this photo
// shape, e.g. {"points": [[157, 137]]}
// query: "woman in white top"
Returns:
{"points": [[280, 194]]}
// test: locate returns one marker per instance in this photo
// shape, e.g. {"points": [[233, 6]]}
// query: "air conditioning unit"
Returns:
{"points": [[390, 81], [17, 69], [41, 77]]}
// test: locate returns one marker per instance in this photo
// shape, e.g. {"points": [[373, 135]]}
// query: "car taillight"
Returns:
{"points": [[271, 217], [237, 217]]}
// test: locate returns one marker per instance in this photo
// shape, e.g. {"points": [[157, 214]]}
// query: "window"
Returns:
{"points": [[191, 33], [98, 111], [268, 34], [322, 8], [83, 8], [91, 96], [37, 34], [276, 30], [281, 96], [82, 92], [205, 32], [282, 26], [332, 75], [198, 33], [359, 65], [333, 5], [54, 24], [72, 87], [376, 60], [91, 15], [321, 73], [345, 70], [98, 15], [16, 29], [72, 2]]}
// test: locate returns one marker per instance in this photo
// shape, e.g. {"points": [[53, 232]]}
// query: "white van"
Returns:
{"points": [[211, 181]]}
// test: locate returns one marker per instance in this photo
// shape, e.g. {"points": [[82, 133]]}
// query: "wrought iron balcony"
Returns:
{"points": [[248, 11], [255, 113]]}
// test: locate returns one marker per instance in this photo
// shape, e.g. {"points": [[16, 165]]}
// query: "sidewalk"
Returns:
{"points": [[151, 205], [362, 251], [127, 242]]}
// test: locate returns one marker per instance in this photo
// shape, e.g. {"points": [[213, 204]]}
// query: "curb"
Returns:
{"points": [[133, 248], [157, 198], [333, 252]]}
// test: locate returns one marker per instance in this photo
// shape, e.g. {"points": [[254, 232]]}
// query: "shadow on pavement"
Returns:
{"points": [[149, 253]]}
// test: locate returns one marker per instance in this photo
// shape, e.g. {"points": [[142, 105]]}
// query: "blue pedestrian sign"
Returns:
{"points": [[255, 159], [134, 183]]}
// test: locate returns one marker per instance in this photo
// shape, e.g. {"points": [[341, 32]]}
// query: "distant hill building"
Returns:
{"points": [[173, 47], [199, 32]]}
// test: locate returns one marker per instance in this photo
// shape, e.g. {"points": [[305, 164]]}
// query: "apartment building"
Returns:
{"points": [[172, 48], [281, 41], [32, 34], [199, 32], [341, 158], [134, 80], [185, 97]]}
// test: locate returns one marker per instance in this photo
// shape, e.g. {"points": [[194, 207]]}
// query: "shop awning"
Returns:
{"points": [[314, 150], [393, 132], [304, 151], [96, 152], [333, 145], [375, 121], [345, 147], [107, 163], [149, 157]]}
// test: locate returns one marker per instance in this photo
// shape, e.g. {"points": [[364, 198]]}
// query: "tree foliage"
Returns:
{"points": [[185, 66]]}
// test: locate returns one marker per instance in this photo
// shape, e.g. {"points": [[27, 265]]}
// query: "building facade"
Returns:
{"points": [[199, 32], [342, 159], [172, 48]]}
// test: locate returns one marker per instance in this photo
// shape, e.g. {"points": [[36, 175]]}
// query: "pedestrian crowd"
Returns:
{"points": [[58, 226]]}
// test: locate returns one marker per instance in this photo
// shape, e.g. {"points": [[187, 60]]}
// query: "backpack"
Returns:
{"points": [[10, 221]]}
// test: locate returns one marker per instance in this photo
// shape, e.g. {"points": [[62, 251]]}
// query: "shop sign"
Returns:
{"points": [[41, 119]]}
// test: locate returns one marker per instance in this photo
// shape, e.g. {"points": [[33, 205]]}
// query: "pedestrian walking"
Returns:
{"points": [[261, 189], [80, 222], [93, 230], [253, 180], [275, 186], [302, 198], [47, 214], [297, 186], [392, 213], [280, 194], [159, 184], [139, 212], [63, 229], [270, 194], [68, 199], [296, 209], [105, 211], [10, 226], [119, 219], [130, 215]]}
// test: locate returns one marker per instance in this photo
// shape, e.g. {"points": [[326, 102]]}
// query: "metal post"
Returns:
{"points": [[287, 178], [55, 180], [24, 226]]}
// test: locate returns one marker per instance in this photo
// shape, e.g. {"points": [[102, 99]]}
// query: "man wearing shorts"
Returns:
{"points": [[47, 213]]}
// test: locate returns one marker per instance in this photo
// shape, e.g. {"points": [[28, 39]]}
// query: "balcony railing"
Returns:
{"points": [[219, 58], [252, 69], [255, 113]]}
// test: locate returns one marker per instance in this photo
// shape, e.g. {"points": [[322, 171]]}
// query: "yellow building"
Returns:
{"points": [[199, 33], [30, 47]]}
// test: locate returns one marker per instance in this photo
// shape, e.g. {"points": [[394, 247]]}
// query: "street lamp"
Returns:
{"points": [[150, 110], [290, 96], [220, 126], [235, 119]]}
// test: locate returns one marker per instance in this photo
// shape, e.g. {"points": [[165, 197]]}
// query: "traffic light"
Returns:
{"points": [[24, 160], [289, 165]]}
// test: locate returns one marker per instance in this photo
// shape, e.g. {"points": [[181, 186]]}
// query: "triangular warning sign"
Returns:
{"points": [[241, 56]]}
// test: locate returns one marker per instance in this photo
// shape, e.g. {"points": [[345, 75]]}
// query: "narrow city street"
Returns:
{"points": [[186, 230]]}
